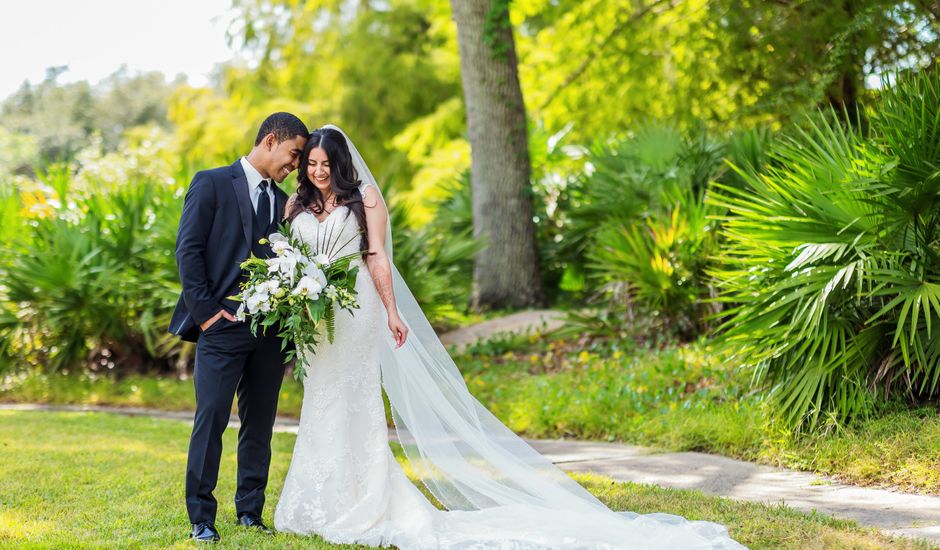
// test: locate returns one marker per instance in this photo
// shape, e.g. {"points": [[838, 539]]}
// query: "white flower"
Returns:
{"points": [[309, 287], [277, 238], [321, 259], [281, 247], [240, 314], [284, 265], [253, 303], [330, 292], [260, 289], [270, 286], [316, 274]]}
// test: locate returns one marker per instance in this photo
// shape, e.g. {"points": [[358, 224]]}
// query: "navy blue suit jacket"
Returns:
{"points": [[214, 238]]}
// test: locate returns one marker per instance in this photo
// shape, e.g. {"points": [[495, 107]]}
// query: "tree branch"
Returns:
{"points": [[931, 7], [636, 16]]}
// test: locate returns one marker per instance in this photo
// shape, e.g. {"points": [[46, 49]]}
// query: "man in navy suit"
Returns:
{"points": [[226, 212]]}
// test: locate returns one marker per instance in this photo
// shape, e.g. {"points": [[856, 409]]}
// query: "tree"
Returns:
{"points": [[370, 67], [56, 115], [592, 68], [797, 54], [61, 118], [506, 271]]}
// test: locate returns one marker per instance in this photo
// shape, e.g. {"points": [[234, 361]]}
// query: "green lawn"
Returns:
{"points": [[688, 397], [79, 480]]}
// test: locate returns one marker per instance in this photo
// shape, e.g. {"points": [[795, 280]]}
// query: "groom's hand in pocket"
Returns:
{"points": [[215, 318]]}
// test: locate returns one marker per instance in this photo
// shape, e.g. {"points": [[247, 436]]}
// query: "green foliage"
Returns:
{"points": [[832, 260], [603, 67], [18, 151], [371, 68], [660, 263], [91, 278], [436, 259], [637, 221], [623, 180], [52, 122], [799, 54], [747, 151]]}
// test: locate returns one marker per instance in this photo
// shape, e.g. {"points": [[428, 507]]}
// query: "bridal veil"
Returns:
{"points": [[470, 461]]}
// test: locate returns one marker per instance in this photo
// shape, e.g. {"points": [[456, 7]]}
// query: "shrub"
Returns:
{"points": [[93, 277], [436, 260], [639, 223], [833, 261]]}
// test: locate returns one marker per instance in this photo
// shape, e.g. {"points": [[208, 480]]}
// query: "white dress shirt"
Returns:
{"points": [[254, 186]]}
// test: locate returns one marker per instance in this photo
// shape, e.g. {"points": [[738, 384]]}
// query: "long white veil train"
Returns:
{"points": [[470, 461]]}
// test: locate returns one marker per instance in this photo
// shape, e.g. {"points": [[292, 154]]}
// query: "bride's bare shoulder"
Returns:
{"points": [[370, 197]]}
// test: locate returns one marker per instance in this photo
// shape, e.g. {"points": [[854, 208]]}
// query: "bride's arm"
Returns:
{"points": [[377, 260]]}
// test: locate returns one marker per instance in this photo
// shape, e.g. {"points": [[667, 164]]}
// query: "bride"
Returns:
{"points": [[345, 485]]}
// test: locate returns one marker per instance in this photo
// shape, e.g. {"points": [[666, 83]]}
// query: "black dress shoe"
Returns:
{"points": [[254, 522], [204, 531]]}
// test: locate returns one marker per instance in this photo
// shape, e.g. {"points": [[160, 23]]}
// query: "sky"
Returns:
{"points": [[95, 37]]}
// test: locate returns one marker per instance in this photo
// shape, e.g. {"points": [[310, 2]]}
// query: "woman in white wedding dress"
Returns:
{"points": [[345, 485]]}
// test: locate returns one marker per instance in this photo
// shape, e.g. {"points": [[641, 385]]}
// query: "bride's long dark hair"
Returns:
{"points": [[344, 181]]}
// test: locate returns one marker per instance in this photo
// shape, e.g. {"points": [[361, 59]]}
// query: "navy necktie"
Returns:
{"points": [[263, 212]]}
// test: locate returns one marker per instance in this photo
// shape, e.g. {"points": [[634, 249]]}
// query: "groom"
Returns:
{"points": [[226, 211]]}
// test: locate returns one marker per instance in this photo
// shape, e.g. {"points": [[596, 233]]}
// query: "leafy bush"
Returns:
{"points": [[833, 260], [660, 263], [90, 279], [638, 221], [436, 260]]}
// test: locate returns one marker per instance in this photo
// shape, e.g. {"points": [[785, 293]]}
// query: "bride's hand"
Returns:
{"points": [[399, 330]]}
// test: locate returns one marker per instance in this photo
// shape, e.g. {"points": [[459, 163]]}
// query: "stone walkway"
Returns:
{"points": [[515, 323], [893, 512]]}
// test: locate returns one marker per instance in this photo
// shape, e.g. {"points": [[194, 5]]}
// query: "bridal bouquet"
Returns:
{"points": [[297, 289]]}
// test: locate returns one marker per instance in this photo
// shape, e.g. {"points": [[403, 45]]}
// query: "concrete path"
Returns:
{"points": [[893, 512], [521, 322]]}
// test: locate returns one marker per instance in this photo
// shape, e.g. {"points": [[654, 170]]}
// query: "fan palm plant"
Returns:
{"points": [[642, 228], [660, 263], [832, 262], [95, 273]]}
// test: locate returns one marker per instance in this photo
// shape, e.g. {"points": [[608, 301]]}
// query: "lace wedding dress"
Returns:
{"points": [[345, 485]]}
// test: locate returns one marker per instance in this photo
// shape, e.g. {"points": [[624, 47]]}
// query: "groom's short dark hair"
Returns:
{"points": [[283, 126]]}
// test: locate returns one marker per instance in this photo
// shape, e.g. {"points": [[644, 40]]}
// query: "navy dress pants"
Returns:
{"points": [[231, 361]]}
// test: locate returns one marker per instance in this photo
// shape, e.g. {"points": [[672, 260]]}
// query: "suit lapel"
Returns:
{"points": [[240, 186], [280, 201]]}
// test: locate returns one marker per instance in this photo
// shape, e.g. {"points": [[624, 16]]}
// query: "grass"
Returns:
{"points": [[165, 393], [79, 480], [679, 398], [689, 398]]}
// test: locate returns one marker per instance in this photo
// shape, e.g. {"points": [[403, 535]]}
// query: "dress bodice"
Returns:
{"points": [[336, 236]]}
